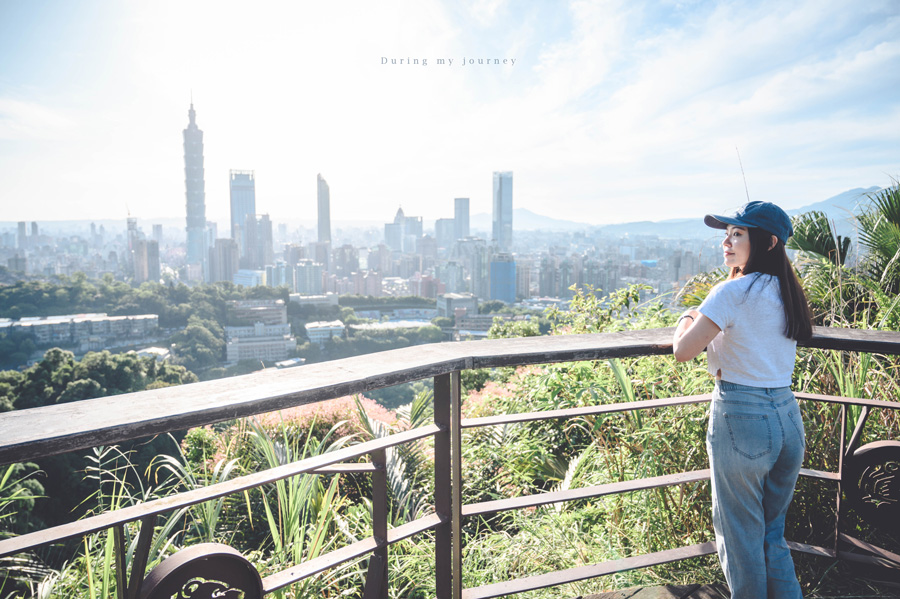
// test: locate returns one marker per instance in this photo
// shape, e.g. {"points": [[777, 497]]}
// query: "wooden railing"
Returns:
{"points": [[32, 434]]}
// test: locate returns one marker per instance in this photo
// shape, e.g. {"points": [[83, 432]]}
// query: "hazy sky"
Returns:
{"points": [[613, 111]]}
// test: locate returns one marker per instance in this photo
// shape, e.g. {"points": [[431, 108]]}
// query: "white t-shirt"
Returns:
{"points": [[751, 348]]}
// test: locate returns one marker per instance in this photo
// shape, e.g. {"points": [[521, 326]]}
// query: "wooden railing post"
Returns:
{"points": [[442, 505]]}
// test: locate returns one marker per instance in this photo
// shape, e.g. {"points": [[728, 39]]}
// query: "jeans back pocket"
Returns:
{"points": [[751, 434]]}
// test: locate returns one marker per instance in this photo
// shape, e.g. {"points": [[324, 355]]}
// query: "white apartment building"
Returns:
{"points": [[269, 349], [268, 338], [319, 332]]}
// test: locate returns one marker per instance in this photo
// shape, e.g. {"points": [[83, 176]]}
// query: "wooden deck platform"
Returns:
{"points": [[688, 591]]}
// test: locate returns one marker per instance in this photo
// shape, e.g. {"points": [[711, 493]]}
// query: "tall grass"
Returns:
{"points": [[300, 510]]}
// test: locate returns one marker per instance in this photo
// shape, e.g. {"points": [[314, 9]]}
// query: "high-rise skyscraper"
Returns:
{"points": [[461, 217], [21, 239], [502, 219], [146, 261], [242, 185], [133, 233], [474, 254], [503, 278], [223, 260], [158, 234], [445, 232], [257, 236], [324, 196], [308, 277], [195, 191], [402, 234]]}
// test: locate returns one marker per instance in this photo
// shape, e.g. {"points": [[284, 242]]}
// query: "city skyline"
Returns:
{"points": [[609, 112]]}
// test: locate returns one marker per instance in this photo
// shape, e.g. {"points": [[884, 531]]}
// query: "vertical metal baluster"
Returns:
{"points": [[840, 490], [456, 482], [442, 533], [121, 580], [141, 554], [377, 578]]}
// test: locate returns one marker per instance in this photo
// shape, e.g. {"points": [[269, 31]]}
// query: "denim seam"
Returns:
{"points": [[781, 426], [798, 426]]}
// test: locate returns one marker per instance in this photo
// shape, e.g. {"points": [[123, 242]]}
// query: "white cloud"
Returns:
{"points": [[638, 105]]}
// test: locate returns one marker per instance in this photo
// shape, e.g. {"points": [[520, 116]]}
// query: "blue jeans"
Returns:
{"points": [[755, 443]]}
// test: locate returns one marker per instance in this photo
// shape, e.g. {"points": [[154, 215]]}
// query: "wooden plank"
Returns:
{"points": [[31, 434]]}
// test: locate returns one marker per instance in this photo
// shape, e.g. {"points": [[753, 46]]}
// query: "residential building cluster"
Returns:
{"points": [[84, 331]]}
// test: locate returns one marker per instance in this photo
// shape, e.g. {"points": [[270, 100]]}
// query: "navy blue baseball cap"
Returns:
{"points": [[762, 215]]}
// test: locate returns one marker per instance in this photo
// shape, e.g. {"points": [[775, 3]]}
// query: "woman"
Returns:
{"points": [[750, 325]]}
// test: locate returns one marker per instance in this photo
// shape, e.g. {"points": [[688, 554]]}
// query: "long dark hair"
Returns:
{"points": [[797, 315]]}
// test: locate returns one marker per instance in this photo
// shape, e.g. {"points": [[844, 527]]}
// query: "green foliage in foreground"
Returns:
{"points": [[60, 378]]}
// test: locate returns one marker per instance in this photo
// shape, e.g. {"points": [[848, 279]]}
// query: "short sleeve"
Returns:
{"points": [[719, 306]]}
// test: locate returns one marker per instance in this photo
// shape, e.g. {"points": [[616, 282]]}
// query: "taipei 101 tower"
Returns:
{"points": [[195, 192]]}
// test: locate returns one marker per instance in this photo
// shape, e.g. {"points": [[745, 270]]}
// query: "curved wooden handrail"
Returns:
{"points": [[35, 433]]}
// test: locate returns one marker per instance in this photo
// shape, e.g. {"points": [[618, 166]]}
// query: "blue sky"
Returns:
{"points": [[613, 111]]}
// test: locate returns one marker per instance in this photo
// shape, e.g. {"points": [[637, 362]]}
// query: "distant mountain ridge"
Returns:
{"points": [[839, 208], [526, 220]]}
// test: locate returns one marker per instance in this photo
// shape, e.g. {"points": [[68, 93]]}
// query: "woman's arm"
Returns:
{"points": [[692, 335]]}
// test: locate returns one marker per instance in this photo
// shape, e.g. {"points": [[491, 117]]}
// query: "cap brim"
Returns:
{"points": [[721, 222], [716, 222]]}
